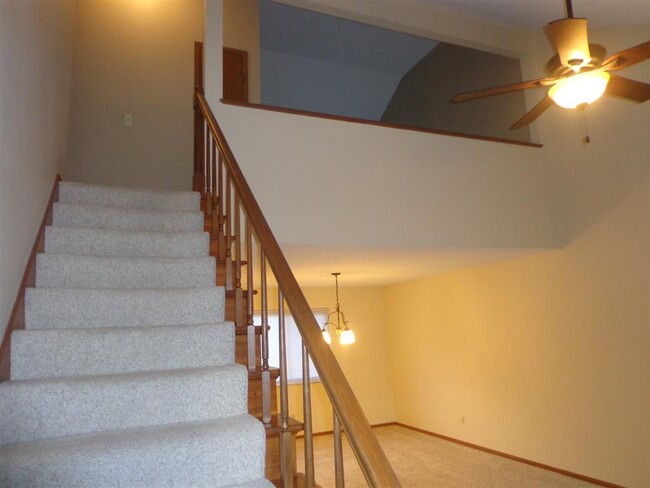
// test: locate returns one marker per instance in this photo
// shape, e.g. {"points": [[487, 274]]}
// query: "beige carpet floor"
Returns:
{"points": [[422, 461]]}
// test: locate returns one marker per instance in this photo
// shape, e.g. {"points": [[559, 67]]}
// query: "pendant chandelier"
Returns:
{"points": [[343, 332]]}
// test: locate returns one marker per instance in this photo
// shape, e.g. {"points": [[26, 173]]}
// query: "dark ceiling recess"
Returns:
{"points": [[320, 63], [423, 96]]}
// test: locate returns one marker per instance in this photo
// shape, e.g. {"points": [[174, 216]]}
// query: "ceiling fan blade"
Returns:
{"points": [[536, 111], [636, 91], [499, 90], [628, 57]]}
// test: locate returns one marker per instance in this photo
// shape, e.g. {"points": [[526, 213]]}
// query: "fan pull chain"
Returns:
{"points": [[581, 110]]}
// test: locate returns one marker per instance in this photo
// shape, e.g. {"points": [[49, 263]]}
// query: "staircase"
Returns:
{"points": [[126, 373], [121, 368]]}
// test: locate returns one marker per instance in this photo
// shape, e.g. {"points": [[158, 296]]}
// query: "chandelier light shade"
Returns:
{"points": [[343, 331], [326, 335], [347, 336], [580, 89]]}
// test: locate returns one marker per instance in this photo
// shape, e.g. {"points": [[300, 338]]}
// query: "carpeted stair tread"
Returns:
{"points": [[107, 242], [38, 409], [118, 196], [97, 217], [258, 483], [74, 271], [211, 453], [47, 308], [51, 353], [124, 375]]}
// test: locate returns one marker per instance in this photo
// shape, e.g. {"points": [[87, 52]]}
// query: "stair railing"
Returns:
{"points": [[238, 221]]}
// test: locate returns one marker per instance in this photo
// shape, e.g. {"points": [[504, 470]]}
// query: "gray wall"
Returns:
{"points": [[134, 57], [320, 63], [422, 98], [325, 87], [36, 53]]}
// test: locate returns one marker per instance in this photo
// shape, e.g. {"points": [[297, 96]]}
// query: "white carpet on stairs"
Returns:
{"points": [[125, 375]]}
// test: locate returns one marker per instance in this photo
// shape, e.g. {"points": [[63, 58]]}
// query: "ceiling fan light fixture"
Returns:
{"points": [[569, 38], [580, 89]]}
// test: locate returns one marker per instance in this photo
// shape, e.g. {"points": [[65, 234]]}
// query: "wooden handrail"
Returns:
{"points": [[370, 455]]}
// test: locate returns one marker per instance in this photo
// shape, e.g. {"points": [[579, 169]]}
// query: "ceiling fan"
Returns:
{"points": [[578, 74]]}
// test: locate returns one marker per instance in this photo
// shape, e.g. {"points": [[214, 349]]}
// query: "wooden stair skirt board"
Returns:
{"points": [[17, 317]]}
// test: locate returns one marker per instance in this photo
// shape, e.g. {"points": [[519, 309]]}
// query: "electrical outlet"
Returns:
{"points": [[128, 120]]}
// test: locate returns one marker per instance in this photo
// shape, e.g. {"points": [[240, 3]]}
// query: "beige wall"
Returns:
{"points": [[134, 56], [242, 31], [365, 363], [547, 357], [386, 188], [36, 53]]}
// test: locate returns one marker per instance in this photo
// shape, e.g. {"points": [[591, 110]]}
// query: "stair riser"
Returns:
{"points": [[72, 215], [70, 192], [102, 242], [201, 454], [78, 352], [65, 271], [73, 308], [40, 409]]}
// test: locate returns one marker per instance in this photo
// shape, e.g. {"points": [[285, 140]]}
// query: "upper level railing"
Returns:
{"points": [[238, 222]]}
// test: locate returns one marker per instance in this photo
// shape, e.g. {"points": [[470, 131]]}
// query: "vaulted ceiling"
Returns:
{"points": [[537, 13], [377, 265], [301, 33]]}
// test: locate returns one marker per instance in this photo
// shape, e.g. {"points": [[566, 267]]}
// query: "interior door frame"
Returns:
{"points": [[244, 56]]}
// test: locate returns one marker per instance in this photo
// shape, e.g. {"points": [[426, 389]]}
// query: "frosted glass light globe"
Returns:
{"points": [[347, 337], [326, 336], [583, 88]]}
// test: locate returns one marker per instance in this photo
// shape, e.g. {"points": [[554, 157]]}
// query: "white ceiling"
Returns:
{"points": [[537, 13], [313, 265]]}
